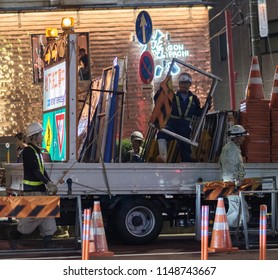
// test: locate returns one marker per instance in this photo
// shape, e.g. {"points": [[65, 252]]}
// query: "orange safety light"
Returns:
{"points": [[51, 32], [67, 23]]}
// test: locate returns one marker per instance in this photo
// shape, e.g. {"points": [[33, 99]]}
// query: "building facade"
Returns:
{"points": [[181, 31]]}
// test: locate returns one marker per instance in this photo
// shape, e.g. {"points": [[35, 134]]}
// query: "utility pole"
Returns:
{"points": [[230, 59], [254, 28]]}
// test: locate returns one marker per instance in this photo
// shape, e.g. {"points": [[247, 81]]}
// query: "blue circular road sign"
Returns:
{"points": [[144, 27], [146, 67]]}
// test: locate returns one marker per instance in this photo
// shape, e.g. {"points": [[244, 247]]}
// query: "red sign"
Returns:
{"points": [[60, 120], [146, 67]]}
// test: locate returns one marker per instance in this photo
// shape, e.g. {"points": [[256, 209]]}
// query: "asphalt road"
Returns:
{"points": [[166, 247]]}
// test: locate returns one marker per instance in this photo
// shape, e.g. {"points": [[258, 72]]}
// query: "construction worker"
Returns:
{"points": [[36, 182], [134, 155], [232, 167], [185, 106], [83, 65]]}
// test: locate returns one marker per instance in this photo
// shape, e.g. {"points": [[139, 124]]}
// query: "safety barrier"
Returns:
{"points": [[41, 203], [268, 186], [223, 239], [273, 193], [30, 206]]}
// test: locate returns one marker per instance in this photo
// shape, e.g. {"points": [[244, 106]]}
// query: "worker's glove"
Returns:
{"points": [[51, 188], [238, 182]]}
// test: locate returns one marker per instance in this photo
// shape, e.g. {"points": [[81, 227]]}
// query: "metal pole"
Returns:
{"points": [[263, 222], [230, 59], [204, 232], [254, 29], [72, 96]]}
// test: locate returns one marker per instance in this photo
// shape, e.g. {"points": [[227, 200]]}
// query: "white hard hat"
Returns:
{"points": [[137, 135], [237, 130], [33, 128], [184, 77]]}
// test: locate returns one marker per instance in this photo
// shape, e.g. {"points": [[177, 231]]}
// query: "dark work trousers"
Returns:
{"points": [[182, 128]]}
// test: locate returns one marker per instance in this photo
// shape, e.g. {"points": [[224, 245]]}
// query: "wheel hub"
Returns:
{"points": [[137, 221]]}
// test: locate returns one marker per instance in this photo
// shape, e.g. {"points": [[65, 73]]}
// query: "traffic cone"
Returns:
{"points": [[221, 239], [274, 93], [254, 88], [100, 243], [91, 242]]}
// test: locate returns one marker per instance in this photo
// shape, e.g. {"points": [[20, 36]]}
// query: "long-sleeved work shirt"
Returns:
{"points": [[231, 163]]}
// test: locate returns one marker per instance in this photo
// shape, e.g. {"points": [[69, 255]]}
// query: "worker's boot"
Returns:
{"points": [[62, 232], [162, 146], [14, 236], [237, 237]]}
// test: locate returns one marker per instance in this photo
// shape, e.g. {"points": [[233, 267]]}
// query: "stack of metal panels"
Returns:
{"points": [[274, 134]]}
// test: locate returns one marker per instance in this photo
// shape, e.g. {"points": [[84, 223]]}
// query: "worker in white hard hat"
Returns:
{"points": [[233, 170], [135, 154], [36, 182], [185, 106]]}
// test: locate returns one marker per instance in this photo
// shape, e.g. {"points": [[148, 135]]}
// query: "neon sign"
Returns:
{"points": [[163, 52]]}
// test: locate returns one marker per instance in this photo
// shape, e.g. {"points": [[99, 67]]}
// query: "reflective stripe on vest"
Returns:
{"points": [[179, 109], [132, 153], [41, 165]]}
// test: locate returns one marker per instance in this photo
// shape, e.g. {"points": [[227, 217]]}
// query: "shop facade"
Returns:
{"points": [[178, 31]]}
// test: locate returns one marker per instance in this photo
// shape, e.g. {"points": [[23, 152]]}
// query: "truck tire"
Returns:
{"points": [[138, 222]]}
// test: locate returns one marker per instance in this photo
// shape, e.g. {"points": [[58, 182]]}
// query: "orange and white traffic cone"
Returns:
{"points": [[221, 239], [274, 93], [254, 88], [91, 242], [100, 242]]}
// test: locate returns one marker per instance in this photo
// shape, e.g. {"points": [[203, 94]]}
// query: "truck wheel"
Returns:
{"points": [[138, 222]]}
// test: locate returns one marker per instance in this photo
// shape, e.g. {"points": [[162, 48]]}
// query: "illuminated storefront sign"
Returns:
{"points": [[54, 87], [164, 51]]}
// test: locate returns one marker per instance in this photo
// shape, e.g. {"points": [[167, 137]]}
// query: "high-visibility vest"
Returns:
{"points": [[41, 165], [184, 116], [132, 153]]}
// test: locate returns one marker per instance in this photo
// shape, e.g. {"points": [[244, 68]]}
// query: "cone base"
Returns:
{"points": [[216, 250], [101, 254]]}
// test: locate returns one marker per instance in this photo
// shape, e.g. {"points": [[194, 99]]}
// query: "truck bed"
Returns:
{"points": [[133, 178]]}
